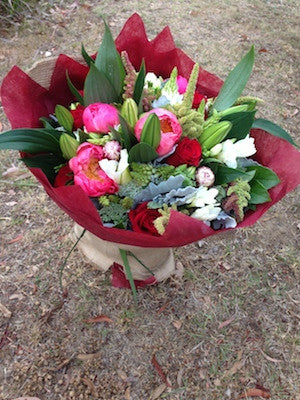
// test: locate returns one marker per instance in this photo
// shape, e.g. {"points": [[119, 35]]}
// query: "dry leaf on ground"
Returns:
{"points": [[60, 366], [5, 311], [160, 372], [274, 360], [16, 173], [177, 324], [256, 393], [27, 398], [90, 385], [87, 357], [226, 323], [16, 239], [99, 318], [158, 391]]}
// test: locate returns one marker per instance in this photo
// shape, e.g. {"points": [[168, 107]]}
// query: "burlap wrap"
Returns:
{"points": [[102, 253]]}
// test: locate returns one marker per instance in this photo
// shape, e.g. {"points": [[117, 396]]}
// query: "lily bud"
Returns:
{"points": [[129, 111], [68, 146]]}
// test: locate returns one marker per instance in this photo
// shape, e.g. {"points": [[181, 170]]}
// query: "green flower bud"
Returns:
{"points": [[68, 146], [129, 111]]}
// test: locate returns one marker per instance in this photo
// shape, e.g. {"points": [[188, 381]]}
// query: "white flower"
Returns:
{"points": [[114, 169], [204, 196], [172, 96], [231, 151], [151, 80], [207, 213]]}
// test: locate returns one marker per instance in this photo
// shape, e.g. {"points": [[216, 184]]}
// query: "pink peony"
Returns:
{"points": [[181, 84], [87, 172], [99, 117], [169, 127]]}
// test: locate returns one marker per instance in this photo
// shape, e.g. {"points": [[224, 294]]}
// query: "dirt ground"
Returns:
{"points": [[228, 324]]}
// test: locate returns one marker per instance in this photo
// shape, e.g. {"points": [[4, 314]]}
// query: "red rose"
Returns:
{"points": [[142, 219], [198, 97], [77, 115], [64, 176], [187, 152]]}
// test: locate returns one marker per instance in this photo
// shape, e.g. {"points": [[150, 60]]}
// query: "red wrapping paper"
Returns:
{"points": [[24, 102]]}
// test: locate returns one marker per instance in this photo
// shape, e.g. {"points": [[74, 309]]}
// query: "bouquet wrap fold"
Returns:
{"points": [[25, 101]]}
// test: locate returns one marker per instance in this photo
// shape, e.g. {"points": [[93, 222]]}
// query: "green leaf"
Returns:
{"points": [[47, 122], [258, 193], [116, 135], [87, 58], [64, 117], [139, 84], [274, 129], [142, 152], [151, 131], [109, 62], [127, 133], [46, 162], [31, 140], [241, 124], [225, 174], [235, 82], [265, 176], [73, 90], [129, 274], [97, 88]]}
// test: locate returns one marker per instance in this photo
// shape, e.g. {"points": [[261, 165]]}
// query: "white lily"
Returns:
{"points": [[231, 151], [114, 169], [204, 196], [207, 213]]}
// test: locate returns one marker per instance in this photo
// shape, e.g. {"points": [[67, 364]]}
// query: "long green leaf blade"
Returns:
{"points": [[274, 129], [241, 124], [31, 141], [73, 90], [97, 88], [109, 62], [87, 58], [235, 82], [139, 84], [129, 274]]}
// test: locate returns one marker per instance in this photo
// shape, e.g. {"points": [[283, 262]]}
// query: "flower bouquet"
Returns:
{"points": [[144, 149]]}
